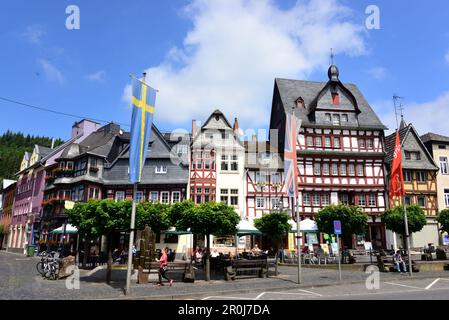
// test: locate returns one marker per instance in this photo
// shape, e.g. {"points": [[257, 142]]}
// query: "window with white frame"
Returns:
{"points": [[119, 195], [181, 149], [344, 117], [351, 169], [276, 203], [372, 200], [306, 199], [337, 143], [234, 197], [362, 200], [369, 144], [336, 119], [444, 165], [327, 116], [160, 169], [318, 141], [407, 176], [176, 196], [326, 168], [234, 163], [360, 169], [446, 197], [260, 202], [317, 169], [344, 199], [310, 141], [362, 144], [153, 196], [224, 163], [325, 199], [421, 176], [276, 177], [224, 195], [421, 201], [327, 142], [165, 197], [343, 169], [335, 169], [261, 177], [316, 199], [139, 196]]}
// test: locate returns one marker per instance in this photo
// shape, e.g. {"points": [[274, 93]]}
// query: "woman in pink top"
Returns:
{"points": [[163, 268]]}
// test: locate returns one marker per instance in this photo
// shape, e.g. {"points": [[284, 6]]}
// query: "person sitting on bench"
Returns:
{"points": [[398, 261]]}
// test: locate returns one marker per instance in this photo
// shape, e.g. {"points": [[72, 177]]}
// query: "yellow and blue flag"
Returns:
{"points": [[143, 102]]}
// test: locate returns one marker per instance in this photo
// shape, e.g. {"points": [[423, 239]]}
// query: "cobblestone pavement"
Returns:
{"points": [[20, 280]]}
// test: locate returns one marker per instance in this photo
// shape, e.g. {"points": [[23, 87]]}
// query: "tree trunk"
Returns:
{"points": [[109, 265], [276, 259], [207, 258], [86, 244]]}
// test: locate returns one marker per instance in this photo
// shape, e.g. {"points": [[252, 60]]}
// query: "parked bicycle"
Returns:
{"points": [[48, 267]]}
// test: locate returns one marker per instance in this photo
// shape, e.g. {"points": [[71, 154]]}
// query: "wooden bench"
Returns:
{"points": [[386, 264], [153, 267], [245, 267]]}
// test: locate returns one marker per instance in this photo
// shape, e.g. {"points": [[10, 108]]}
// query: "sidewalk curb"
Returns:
{"points": [[200, 295]]}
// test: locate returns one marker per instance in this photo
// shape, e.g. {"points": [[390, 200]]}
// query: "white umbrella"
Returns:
{"points": [[69, 229], [306, 225]]}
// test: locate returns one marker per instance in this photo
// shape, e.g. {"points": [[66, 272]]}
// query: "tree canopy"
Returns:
{"points": [[353, 220], [443, 219], [394, 219], [273, 225], [13, 147]]}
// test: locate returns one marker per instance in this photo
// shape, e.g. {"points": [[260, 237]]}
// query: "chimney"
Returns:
{"points": [[236, 125], [194, 128], [84, 127]]}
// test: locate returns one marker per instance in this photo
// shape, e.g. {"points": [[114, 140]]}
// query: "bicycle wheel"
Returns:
{"points": [[40, 267]]}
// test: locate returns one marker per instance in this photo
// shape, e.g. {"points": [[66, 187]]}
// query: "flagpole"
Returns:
{"points": [[131, 232], [407, 236], [298, 238]]}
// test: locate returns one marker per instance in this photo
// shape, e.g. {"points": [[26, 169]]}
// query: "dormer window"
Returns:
{"points": [[327, 116], [335, 98], [300, 103]]}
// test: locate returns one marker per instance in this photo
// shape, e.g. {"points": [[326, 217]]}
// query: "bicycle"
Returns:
{"points": [[40, 266]]}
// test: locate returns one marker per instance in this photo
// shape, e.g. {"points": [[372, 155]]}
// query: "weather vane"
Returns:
{"points": [[332, 56], [398, 107]]}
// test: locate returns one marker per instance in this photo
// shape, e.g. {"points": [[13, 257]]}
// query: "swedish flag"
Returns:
{"points": [[143, 101]]}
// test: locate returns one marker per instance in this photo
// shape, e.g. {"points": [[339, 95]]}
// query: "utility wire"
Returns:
{"points": [[58, 112]]}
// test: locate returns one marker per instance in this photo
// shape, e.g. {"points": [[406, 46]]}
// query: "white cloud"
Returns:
{"points": [[426, 117], [378, 73], [51, 72], [236, 48], [98, 76], [34, 33]]}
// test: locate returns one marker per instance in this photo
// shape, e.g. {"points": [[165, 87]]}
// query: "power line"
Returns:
{"points": [[58, 112]]}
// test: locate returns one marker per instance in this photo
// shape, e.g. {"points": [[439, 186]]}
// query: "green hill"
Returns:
{"points": [[12, 148]]}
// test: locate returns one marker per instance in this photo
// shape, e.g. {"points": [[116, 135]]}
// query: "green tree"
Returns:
{"points": [[177, 210], [274, 226], [155, 215], [102, 217], [394, 219], [207, 219], [443, 219], [353, 220]]}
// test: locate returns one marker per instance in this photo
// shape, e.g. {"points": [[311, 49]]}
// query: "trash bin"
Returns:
{"points": [[30, 250]]}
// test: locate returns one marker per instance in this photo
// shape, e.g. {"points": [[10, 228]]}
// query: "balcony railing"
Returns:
{"points": [[63, 172]]}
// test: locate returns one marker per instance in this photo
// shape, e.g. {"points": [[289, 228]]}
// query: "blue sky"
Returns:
{"points": [[202, 55]]}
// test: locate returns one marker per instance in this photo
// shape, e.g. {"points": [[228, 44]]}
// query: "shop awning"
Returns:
{"points": [[306, 225], [246, 227], [174, 231], [69, 229]]}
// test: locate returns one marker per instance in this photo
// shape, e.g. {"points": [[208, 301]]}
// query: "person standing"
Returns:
{"points": [[163, 268]]}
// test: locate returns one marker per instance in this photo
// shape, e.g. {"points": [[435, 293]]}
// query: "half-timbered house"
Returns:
{"points": [[340, 148], [420, 174]]}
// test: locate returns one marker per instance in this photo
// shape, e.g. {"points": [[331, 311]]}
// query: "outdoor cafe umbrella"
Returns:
{"points": [[68, 230], [306, 225]]}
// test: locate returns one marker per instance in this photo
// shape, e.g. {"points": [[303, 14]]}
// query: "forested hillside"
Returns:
{"points": [[12, 148]]}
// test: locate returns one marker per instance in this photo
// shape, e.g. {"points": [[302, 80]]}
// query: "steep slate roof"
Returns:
{"points": [[425, 163], [43, 151], [97, 143], [291, 90], [434, 137]]}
